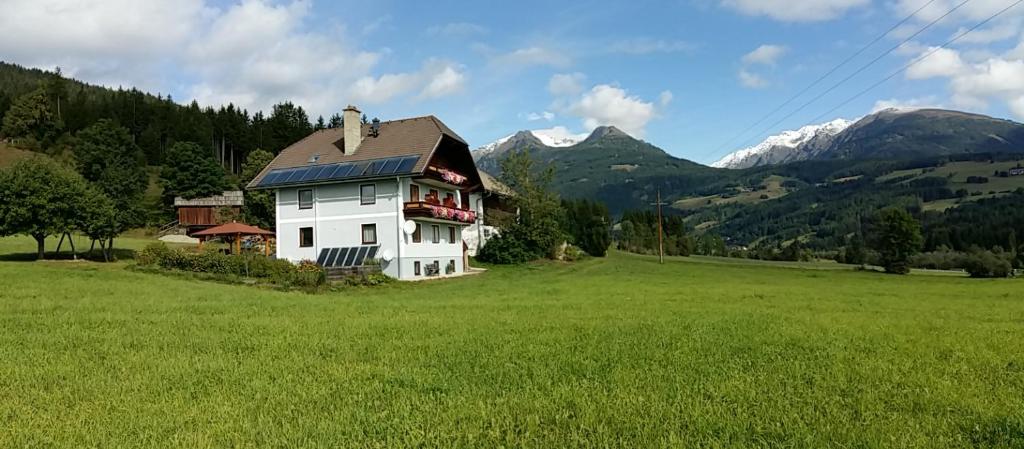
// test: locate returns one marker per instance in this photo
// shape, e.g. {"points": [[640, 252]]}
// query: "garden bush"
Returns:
{"points": [[986, 264], [281, 272]]}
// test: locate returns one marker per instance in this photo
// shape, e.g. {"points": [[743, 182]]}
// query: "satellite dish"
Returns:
{"points": [[387, 255], [409, 227]]}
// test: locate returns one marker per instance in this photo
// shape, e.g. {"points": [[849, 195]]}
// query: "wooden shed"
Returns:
{"points": [[201, 213]]}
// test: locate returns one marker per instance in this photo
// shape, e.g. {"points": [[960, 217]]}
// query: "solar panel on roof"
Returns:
{"points": [[389, 166], [339, 171], [293, 175], [310, 173], [270, 178], [375, 168], [407, 164]]}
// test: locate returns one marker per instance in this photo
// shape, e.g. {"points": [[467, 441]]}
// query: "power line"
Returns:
{"points": [[826, 75], [861, 69], [917, 60]]}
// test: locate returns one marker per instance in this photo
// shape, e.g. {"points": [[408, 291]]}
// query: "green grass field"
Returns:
{"points": [[616, 352]]}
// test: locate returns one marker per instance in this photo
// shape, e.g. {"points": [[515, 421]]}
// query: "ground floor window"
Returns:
{"points": [[416, 268], [305, 237], [451, 267], [370, 234]]}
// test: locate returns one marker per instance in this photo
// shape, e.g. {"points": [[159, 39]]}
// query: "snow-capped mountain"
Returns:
{"points": [[789, 146], [556, 137]]}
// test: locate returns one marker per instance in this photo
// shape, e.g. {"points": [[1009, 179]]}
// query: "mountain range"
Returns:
{"points": [[897, 134]]}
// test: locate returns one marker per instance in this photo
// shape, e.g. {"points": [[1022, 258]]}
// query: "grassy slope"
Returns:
{"points": [[616, 353], [10, 155]]}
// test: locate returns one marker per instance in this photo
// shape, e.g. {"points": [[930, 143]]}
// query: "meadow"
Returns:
{"points": [[615, 352]]}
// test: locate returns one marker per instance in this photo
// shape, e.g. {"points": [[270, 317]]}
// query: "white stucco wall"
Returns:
{"points": [[337, 218]]}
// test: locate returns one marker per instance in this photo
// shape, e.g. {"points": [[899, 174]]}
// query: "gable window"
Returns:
{"points": [[417, 235], [305, 237], [370, 234], [436, 229], [368, 194], [451, 234], [414, 192], [416, 268], [306, 199]]}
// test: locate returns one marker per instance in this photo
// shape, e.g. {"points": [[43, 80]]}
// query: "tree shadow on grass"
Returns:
{"points": [[94, 256]]}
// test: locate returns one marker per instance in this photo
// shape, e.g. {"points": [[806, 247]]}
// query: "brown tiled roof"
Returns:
{"points": [[416, 136], [491, 184]]}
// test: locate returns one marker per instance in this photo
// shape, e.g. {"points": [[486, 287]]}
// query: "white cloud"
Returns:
{"points": [[110, 42], [928, 102], [664, 98], [252, 52], [942, 63], [975, 85], [605, 104], [1017, 106], [537, 116], [436, 79], [531, 56], [566, 84], [795, 10], [766, 54], [752, 80], [643, 46], [457, 29]]}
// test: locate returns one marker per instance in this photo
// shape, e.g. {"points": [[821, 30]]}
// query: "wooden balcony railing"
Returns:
{"points": [[426, 209]]}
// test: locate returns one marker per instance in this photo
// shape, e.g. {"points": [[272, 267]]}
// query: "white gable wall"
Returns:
{"points": [[337, 218]]}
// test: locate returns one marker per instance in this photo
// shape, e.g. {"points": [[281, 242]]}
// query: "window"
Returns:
{"points": [[416, 268], [414, 192], [451, 234], [417, 235], [305, 237], [368, 194], [369, 234], [306, 199], [436, 238]]}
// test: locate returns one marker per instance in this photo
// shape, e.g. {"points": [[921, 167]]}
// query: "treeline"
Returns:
{"points": [[41, 110]]}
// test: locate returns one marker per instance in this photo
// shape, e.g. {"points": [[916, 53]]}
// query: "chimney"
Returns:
{"points": [[353, 124]]}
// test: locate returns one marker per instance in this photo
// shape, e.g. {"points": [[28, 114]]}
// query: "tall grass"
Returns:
{"points": [[617, 352]]}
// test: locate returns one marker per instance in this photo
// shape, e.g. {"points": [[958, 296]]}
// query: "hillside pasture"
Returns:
{"points": [[958, 172], [616, 352], [770, 189]]}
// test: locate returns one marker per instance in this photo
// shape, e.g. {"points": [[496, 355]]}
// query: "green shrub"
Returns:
{"points": [[573, 253], [506, 249], [985, 264], [282, 272]]}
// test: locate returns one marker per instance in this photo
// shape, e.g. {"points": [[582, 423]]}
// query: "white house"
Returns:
{"points": [[394, 193]]}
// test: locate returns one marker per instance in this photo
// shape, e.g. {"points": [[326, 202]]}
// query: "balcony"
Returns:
{"points": [[436, 211]]}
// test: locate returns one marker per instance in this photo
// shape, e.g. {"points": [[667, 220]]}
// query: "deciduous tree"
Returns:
{"points": [[39, 198], [190, 171], [896, 236]]}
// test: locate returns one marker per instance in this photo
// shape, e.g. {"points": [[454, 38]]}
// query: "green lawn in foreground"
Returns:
{"points": [[617, 352]]}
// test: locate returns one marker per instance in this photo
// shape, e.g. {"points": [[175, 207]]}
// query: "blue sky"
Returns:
{"points": [[688, 76]]}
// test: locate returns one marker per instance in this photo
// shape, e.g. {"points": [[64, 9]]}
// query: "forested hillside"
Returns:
{"points": [[49, 108]]}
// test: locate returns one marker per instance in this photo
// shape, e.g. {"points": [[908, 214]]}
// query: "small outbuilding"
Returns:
{"points": [[201, 213]]}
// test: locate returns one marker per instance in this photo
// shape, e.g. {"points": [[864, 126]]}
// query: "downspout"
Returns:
{"points": [[398, 223]]}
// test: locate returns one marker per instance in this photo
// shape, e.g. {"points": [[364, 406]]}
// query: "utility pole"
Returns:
{"points": [[661, 244]]}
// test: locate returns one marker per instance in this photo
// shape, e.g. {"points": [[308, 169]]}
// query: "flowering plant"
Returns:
{"points": [[452, 177], [448, 213]]}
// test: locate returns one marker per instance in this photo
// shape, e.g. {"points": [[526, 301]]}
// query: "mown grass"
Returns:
{"points": [[617, 352]]}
